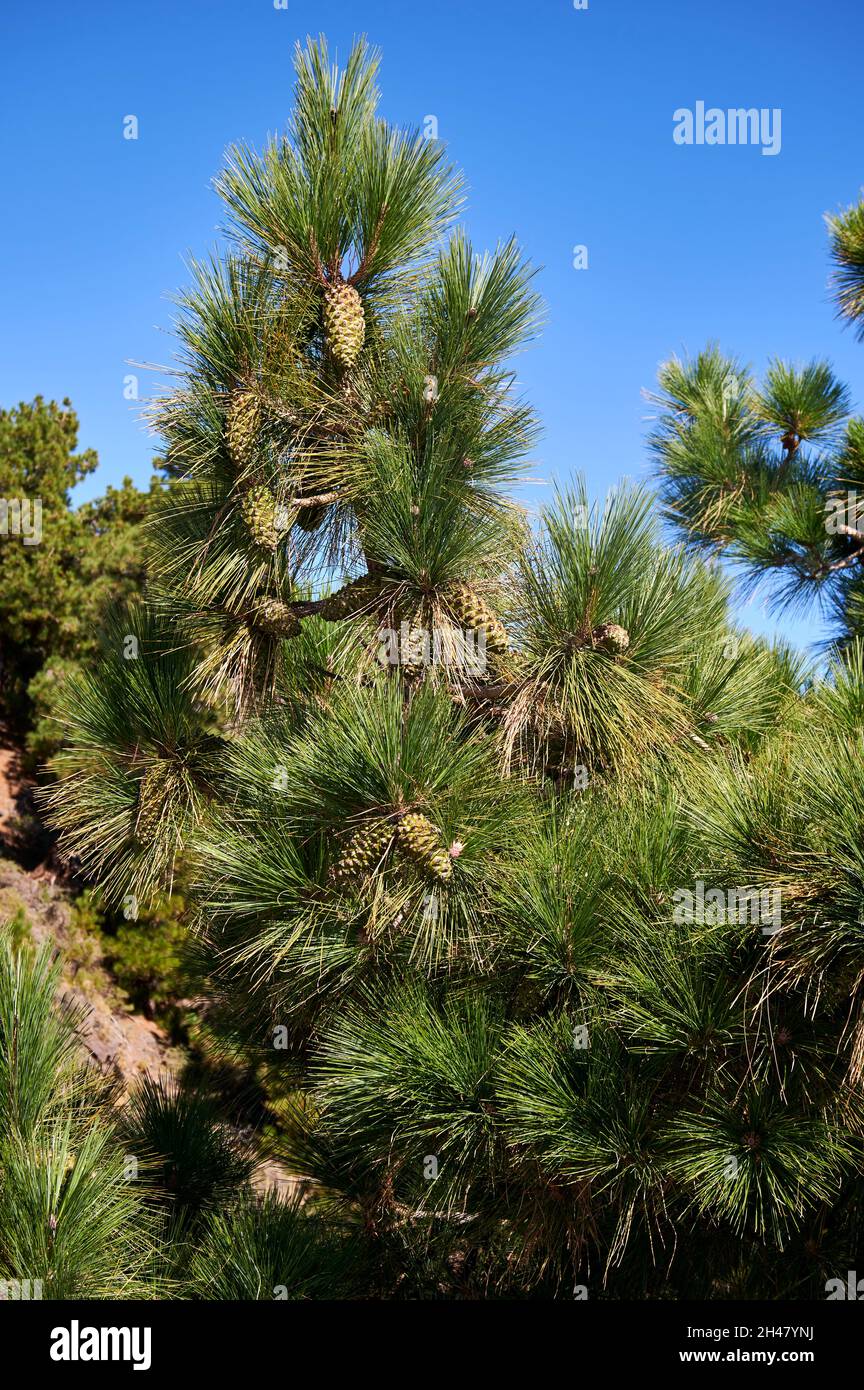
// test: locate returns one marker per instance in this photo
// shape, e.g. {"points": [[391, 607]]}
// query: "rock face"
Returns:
{"points": [[117, 1041], [23, 837], [127, 1043], [8, 809], [133, 1045]]}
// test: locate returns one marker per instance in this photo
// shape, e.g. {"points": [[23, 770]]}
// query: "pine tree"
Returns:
{"points": [[445, 777], [771, 475], [846, 231]]}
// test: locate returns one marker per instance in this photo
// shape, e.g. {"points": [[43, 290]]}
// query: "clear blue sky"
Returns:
{"points": [[562, 121]]}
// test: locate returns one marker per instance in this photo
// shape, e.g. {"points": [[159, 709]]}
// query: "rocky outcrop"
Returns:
{"points": [[116, 1039]]}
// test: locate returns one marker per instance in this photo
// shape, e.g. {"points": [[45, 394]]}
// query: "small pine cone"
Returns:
{"points": [[422, 842], [365, 849], [241, 426], [440, 865], [275, 618], [152, 791], [354, 597], [474, 615], [414, 653], [260, 513], [612, 638], [344, 322]]}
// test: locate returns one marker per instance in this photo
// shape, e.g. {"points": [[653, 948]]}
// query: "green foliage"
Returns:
{"points": [[47, 695], [19, 929], [146, 960], [766, 474], [68, 1215], [846, 231], [52, 593], [441, 910], [139, 754], [190, 1162], [680, 677], [274, 1249]]}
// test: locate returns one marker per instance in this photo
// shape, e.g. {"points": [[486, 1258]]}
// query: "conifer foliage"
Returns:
{"points": [[532, 884], [771, 474]]}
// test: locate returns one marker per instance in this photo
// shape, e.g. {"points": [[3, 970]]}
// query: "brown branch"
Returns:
{"points": [[323, 499], [498, 690], [305, 608], [823, 567], [316, 256], [842, 564], [371, 250]]}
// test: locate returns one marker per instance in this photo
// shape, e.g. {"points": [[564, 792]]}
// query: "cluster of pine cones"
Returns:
{"points": [[468, 610], [414, 834], [345, 333], [258, 505]]}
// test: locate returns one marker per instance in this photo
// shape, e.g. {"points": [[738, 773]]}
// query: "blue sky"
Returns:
{"points": [[562, 120]]}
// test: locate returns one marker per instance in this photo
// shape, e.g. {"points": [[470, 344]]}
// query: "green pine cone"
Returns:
{"points": [[354, 597], [152, 793], [275, 618], [421, 841], [344, 322], [365, 849], [260, 513], [241, 427], [473, 614]]}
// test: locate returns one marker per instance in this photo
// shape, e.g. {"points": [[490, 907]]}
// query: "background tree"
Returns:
{"points": [[846, 231], [52, 593], [771, 476]]}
